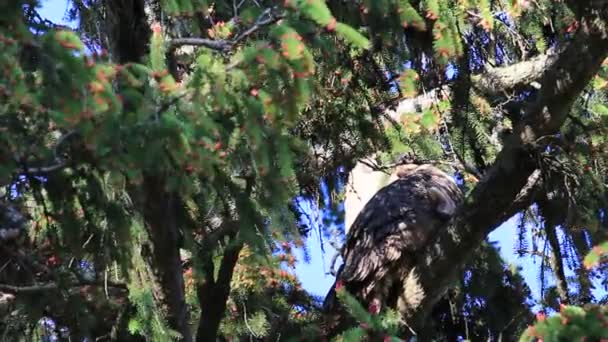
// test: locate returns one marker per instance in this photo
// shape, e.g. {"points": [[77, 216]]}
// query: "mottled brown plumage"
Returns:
{"points": [[396, 223]]}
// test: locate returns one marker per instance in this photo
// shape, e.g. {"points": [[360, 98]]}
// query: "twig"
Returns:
{"points": [[236, 7], [222, 45], [409, 158], [59, 161], [332, 264], [260, 22], [334, 258], [30, 289], [247, 321], [105, 283], [376, 167], [45, 169], [5, 265]]}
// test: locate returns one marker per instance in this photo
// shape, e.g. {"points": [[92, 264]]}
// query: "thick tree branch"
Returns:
{"points": [[579, 239], [528, 193], [498, 80], [556, 262], [165, 259], [225, 228], [490, 203], [491, 83]]}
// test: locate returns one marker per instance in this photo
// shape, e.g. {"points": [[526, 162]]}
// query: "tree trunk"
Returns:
{"points": [[585, 286], [160, 221], [128, 28], [213, 293]]}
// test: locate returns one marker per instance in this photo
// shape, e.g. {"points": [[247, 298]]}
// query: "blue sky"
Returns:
{"points": [[313, 274]]}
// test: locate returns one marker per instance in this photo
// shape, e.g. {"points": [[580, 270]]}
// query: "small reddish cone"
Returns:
{"points": [[541, 316], [331, 26], [572, 27], [339, 285], [156, 28], [53, 260], [374, 307]]}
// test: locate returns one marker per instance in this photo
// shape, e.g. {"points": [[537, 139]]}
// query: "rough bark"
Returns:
{"points": [[165, 258], [497, 80], [490, 203], [554, 209], [585, 286], [557, 264], [213, 293]]}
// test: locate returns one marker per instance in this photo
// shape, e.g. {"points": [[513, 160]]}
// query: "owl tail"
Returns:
{"points": [[333, 313], [331, 299], [336, 318]]}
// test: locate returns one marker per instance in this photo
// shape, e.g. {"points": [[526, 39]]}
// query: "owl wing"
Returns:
{"points": [[390, 224]]}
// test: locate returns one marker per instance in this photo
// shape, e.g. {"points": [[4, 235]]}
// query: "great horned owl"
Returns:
{"points": [[395, 224]]}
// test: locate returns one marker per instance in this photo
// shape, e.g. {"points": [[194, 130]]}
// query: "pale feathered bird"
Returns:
{"points": [[391, 228]]}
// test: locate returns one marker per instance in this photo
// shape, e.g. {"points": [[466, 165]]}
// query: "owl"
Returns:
{"points": [[394, 225]]}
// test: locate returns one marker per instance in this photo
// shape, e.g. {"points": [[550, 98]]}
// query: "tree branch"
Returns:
{"points": [[159, 211], [498, 80], [557, 264], [34, 289], [28, 289], [213, 293], [214, 44], [266, 18], [528, 193], [59, 162], [491, 83]]}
